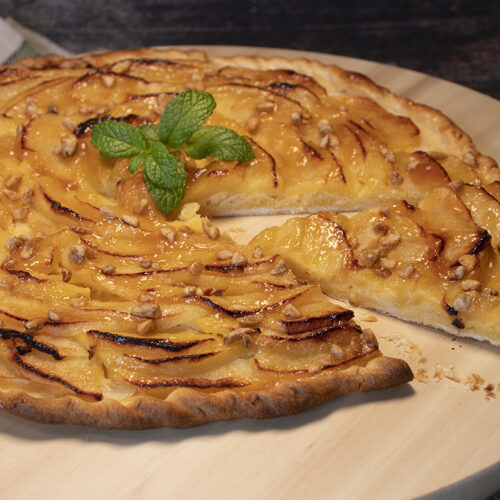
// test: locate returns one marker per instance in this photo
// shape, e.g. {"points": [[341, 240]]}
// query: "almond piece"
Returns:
{"points": [[238, 259], [149, 311]]}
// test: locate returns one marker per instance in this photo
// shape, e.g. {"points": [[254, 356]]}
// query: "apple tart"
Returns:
{"points": [[113, 315], [116, 316]]}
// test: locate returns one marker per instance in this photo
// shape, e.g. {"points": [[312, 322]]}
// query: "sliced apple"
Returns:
{"points": [[178, 74], [269, 79], [64, 371], [216, 182], [484, 209], [397, 132], [315, 246], [307, 354], [454, 224]]}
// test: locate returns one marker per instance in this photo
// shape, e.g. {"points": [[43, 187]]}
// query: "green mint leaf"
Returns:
{"points": [[162, 167], [118, 139], [150, 131], [165, 177], [184, 115], [150, 144], [136, 162], [218, 142]]}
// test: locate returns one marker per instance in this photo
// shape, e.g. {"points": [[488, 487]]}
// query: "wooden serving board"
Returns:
{"points": [[434, 436]]}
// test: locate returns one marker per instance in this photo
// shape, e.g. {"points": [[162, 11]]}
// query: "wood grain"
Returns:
{"points": [[437, 437]]}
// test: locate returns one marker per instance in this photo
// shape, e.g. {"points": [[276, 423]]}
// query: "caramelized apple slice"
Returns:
{"points": [[97, 87], [443, 213], [239, 102], [425, 172], [279, 81], [9, 90], [41, 362], [306, 354], [392, 232], [484, 209], [37, 100], [214, 184], [397, 132], [177, 74], [315, 242]]}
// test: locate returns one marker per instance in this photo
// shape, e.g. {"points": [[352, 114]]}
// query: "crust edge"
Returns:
{"points": [[185, 407]]}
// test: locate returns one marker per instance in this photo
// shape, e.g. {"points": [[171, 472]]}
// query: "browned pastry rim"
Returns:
{"points": [[186, 407]]}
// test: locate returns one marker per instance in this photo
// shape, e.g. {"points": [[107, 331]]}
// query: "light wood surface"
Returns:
{"points": [[434, 437]]}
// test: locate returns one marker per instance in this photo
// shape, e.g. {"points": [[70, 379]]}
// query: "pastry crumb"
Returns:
{"points": [[442, 372], [421, 375], [474, 381], [413, 354], [404, 345], [370, 318], [453, 378], [489, 392]]}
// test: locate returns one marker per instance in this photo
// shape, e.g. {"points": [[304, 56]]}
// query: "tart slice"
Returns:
{"points": [[436, 263], [115, 320]]}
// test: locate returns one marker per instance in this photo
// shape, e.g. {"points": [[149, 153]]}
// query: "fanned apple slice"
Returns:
{"points": [[484, 209], [97, 87], [395, 131], [11, 89], [36, 101], [178, 74], [277, 81], [303, 241], [443, 213], [57, 363], [251, 177], [305, 354]]}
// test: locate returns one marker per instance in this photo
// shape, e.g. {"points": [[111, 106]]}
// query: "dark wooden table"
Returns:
{"points": [[458, 40]]}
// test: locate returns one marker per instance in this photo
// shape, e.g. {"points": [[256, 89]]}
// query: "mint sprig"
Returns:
{"points": [[218, 142], [165, 177], [118, 139], [152, 145], [183, 116]]}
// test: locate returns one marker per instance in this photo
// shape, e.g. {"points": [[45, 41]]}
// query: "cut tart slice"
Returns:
{"points": [[115, 321], [323, 138], [436, 263]]}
